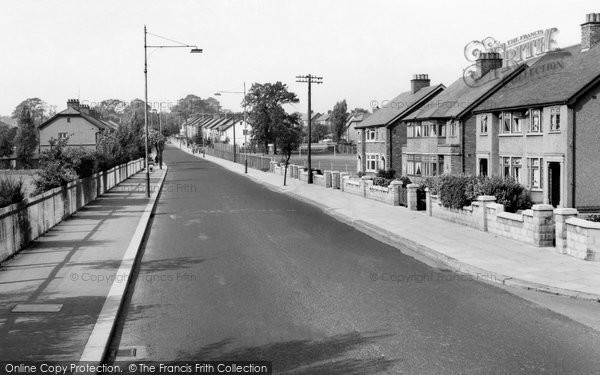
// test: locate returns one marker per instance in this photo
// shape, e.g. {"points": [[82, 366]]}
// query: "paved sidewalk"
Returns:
{"points": [[73, 265], [483, 255]]}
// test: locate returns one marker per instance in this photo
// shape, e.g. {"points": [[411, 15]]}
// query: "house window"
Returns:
{"points": [[512, 123], [372, 162], [358, 139], [442, 130], [414, 165], [511, 167], [483, 128], [63, 135], [410, 131], [418, 131], [371, 134], [535, 121], [433, 130], [535, 173], [555, 119], [68, 119], [453, 129]]}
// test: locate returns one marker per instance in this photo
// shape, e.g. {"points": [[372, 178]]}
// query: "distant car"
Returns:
{"points": [[327, 140]]}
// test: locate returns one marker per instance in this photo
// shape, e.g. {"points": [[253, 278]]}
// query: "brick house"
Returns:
{"points": [[440, 137], [350, 132], [80, 124], [543, 127], [380, 133]]}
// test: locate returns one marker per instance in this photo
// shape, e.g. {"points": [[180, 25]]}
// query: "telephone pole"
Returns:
{"points": [[310, 79]]}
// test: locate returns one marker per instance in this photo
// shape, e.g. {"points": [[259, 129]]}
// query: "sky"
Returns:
{"points": [[366, 51]]}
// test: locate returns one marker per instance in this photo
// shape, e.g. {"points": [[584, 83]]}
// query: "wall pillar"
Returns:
{"points": [[428, 202], [560, 221], [343, 175], [396, 189], [327, 175], [411, 196], [543, 225], [335, 179], [481, 206]]}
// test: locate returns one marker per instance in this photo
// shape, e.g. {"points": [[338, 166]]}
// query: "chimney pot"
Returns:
{"points": [[590, 31], [419, 81], [487, 61]]}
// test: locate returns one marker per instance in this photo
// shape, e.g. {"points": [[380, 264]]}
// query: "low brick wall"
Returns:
{"points": [[319, 179], [353, 186], [23, 222], [583, 239], [535, 226], [465, 216]]}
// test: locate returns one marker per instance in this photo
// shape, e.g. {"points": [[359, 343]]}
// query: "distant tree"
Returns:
{"points": [[289, 136], [26, 140], [339, 116], [112, 110], [266, 103], [38, 109], [318, 131], [7, 135], [194, 105]]}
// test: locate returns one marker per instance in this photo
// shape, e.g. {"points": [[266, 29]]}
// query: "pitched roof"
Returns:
{"points": [[557, 77], [357, 117], [465, 93], [400, 106], [72, 112]]}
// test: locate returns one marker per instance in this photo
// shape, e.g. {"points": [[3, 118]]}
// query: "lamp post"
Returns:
{"points": [[194, 49], [218, 93]]}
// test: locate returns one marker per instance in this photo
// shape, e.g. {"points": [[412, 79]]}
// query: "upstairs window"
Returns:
{"points": [[483, 126], [63, 135], [555, 119], [512, 123], [535, 123]]}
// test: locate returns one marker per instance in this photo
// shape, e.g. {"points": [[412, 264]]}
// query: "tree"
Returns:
{"points": [[112, 109], [39, 110], [157, 140], [339, 117], [289, 136], [266, 103], [26, 139], [194, 105], [7, 135]]}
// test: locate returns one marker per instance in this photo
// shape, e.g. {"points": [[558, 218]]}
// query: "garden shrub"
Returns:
{"points": [[595, 218], [11, 191], [388, 174], [460, 191]]}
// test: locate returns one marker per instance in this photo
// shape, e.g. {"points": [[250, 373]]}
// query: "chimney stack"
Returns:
{"points": [[487, 61], [419, 81], [590, 31], [73, 103], [84, 108]]}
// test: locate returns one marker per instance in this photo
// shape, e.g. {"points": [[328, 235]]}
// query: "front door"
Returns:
{"points": [[483, 167], [554, 183]]}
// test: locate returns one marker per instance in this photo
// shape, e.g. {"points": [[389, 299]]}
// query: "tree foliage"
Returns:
{"points": [[266, 105], [26, 141], [289, 136], [7, 137], [38, 109], [339, 116]]}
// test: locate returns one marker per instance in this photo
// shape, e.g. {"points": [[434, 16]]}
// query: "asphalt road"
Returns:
{"points": [[235, 271]]}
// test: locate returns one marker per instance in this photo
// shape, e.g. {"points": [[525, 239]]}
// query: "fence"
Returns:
{"points": [[23, 222], [225, 151]]}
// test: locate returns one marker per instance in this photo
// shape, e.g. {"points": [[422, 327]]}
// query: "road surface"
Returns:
{"points": [[234, 271]]}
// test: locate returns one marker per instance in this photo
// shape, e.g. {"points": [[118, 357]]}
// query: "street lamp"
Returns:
{"points": [[194, 49], [218, 93]]}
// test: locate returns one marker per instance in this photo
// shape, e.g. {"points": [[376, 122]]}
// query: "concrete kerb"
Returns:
{"points": [[426, 254], [97, 345]]}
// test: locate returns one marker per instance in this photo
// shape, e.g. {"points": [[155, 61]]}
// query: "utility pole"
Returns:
{"points": [[310, 79]]}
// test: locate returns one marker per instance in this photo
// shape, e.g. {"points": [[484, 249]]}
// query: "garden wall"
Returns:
{"points": [[23, 222]]}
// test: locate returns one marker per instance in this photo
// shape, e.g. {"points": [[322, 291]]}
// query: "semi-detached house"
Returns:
{"points": [[375, 137], [440, 137], [543, 127]]}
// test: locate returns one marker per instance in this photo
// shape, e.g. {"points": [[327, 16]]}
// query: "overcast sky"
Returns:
{"points": [[365, 50]]}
